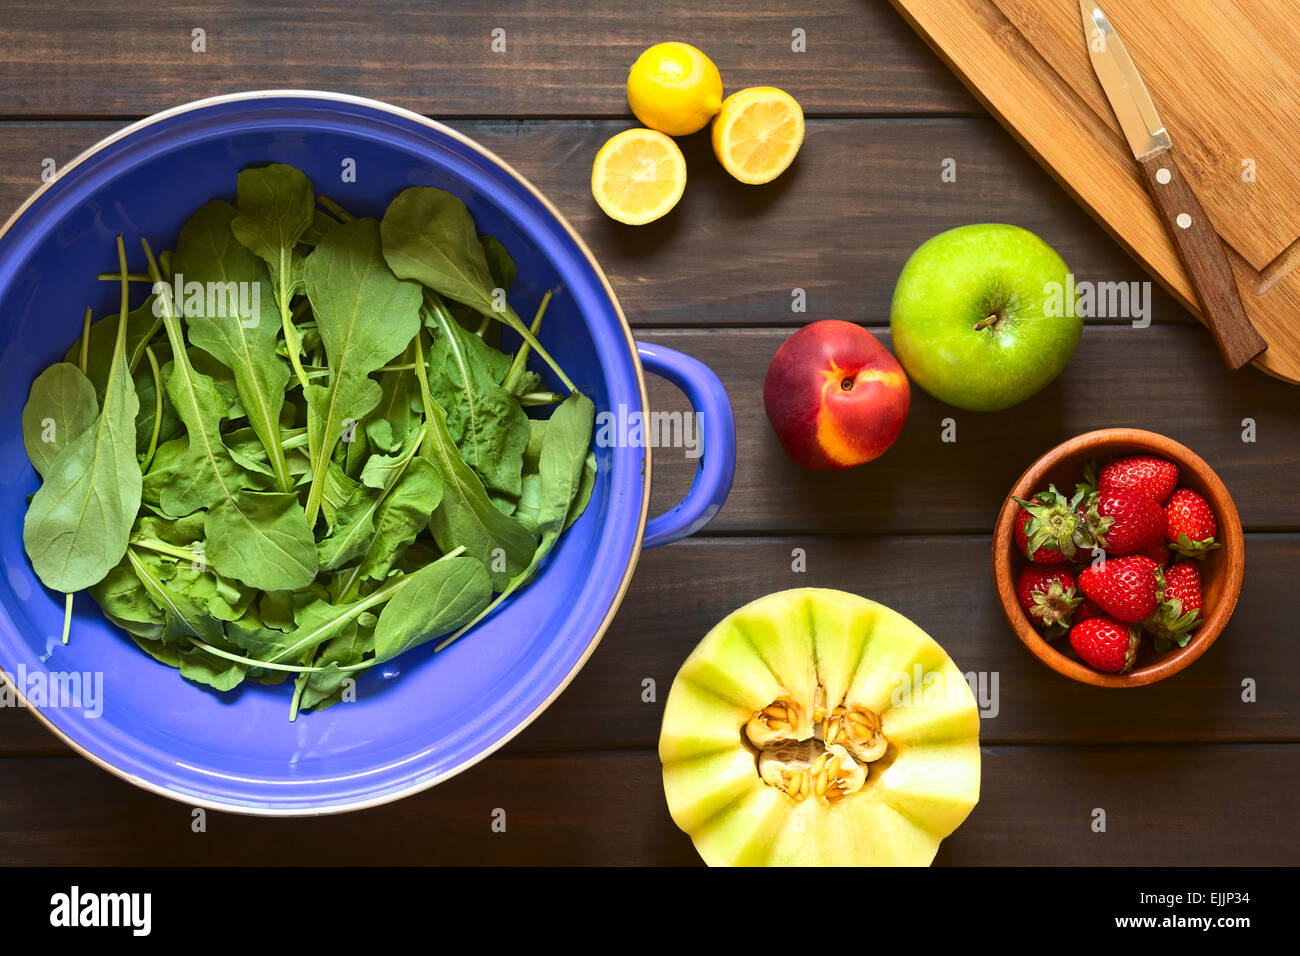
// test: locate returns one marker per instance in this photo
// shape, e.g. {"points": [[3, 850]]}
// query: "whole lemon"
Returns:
{"points": [[674, 88]]}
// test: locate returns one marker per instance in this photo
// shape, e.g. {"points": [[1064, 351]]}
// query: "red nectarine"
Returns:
{"points": [[835, 396]]}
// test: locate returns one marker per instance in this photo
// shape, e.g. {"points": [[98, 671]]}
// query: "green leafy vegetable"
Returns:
{"points": [[366, 317], [61, 406], [435, 600], [79, 521], [275, 210], [466, 516], [429, 236], [254, 500], [234, 332], [264, 540], [484, 420], [563, 461]]}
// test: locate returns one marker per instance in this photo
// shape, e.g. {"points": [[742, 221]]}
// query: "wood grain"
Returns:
{"points": [[1167, 380], [1058, 116], [1037, 807], [709, 263], [662, 619], [1187, 772], [129, 59], [1201, 253], [1222, 74]]}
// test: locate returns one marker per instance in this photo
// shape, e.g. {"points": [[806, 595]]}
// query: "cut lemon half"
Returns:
{"points": [[638, 176], [757, 133]]}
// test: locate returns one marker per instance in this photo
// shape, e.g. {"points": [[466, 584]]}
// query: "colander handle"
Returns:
{"points": [[716, 431]]}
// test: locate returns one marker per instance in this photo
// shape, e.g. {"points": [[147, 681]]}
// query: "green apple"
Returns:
{"points": [[983, 316]]}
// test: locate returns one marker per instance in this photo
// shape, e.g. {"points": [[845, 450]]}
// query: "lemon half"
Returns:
{"points": [[757, 133], [638, 176]]}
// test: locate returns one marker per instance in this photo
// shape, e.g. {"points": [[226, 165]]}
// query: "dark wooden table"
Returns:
{"points": [[1187, 772]]}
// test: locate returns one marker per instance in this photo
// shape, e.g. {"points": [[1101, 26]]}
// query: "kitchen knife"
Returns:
{"points": [[1193, 234]]}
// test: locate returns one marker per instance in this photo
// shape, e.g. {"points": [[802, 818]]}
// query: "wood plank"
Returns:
{"points": [[731, 254], [944, 584], [661, 621], [1169, 380], [122, 58], [1172, 806]]}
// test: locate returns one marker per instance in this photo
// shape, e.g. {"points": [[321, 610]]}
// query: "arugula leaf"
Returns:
{"points": [[176, 532], [204, 472], [61, 405], [371, 509], [321, 223], [78, 523], [339, 488], [121, 597], [156, 421], [168, 654], [586, 484], [275, 209], [436, 599], [263, 540], [234, 335], [352, 532], [429, 236], [166, 460], [366, 317], [323, 688], [561, 466], [563, 460], [184, 614], [500, 264], [223, 380], [401, 515], [204, 667], [142, 324], [484, 419], [466, 516], [317, 621]]}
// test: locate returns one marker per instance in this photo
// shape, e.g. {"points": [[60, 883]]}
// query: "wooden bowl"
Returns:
{"points": [[1221, 570]]}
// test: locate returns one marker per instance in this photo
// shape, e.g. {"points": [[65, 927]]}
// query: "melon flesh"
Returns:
{"points": [[813, 673]]}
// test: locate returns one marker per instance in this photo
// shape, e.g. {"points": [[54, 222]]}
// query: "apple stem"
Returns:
{"points": [[987, 321]]}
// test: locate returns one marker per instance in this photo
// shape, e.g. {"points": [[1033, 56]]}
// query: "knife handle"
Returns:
{"points": [[1202, 255]]}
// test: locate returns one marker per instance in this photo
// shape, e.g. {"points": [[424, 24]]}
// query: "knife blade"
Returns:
{"points": [[1193, 234]]}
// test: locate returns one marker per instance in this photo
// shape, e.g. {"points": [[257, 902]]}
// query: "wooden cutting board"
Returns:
{"points": [[1225, 76]]}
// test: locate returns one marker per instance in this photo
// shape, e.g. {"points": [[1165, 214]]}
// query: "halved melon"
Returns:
{"points": [[814, 727]]}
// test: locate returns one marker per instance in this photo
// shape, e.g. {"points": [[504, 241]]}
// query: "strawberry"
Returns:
{"points": [[1048, 528], [1105, 644], [1158, 552], [1144, 474], [1048, 595], [1085, 611], [1124, 522], [1124, 588], [1189, 524], [1179, 611]]}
